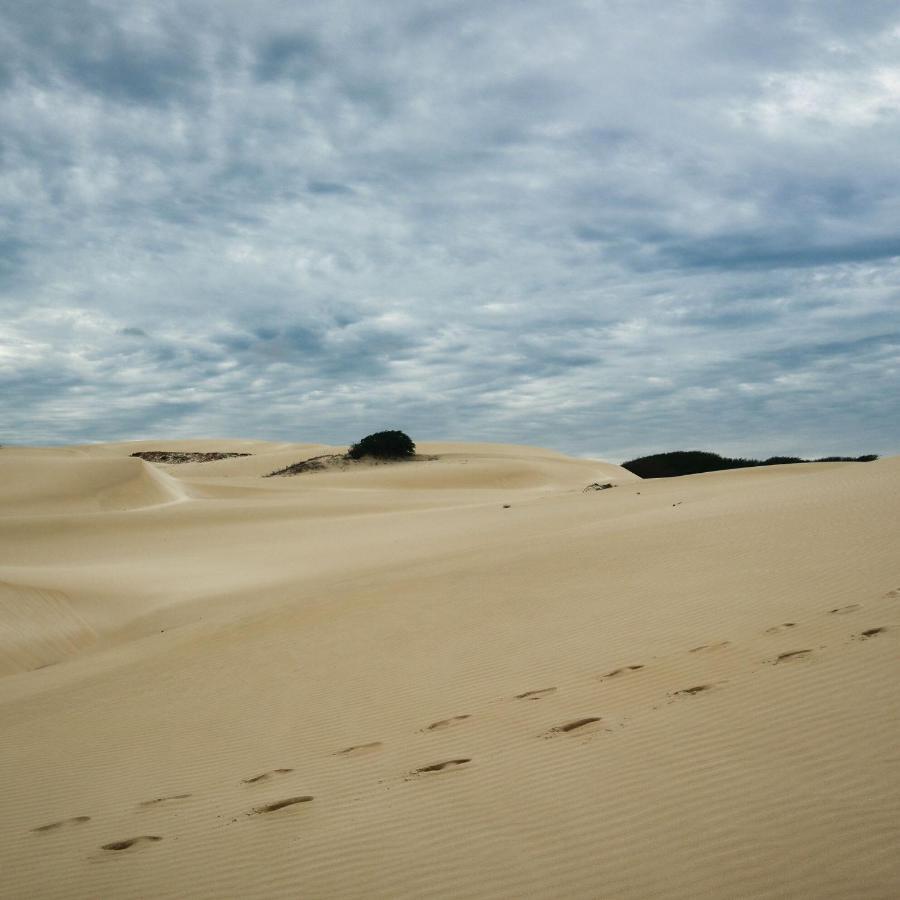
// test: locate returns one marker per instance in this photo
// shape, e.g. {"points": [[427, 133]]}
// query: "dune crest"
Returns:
{"points": [[43, 484]]}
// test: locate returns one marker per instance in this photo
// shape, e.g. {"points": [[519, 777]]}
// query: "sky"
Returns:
{"points": [[610, 228]]}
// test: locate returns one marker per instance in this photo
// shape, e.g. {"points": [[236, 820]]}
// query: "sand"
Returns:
{"points": [[460, 677]]}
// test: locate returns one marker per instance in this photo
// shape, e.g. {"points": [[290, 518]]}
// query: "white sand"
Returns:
{"points": [[169, 633]]}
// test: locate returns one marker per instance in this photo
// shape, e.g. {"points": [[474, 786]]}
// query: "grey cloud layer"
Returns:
{"points": [[610, 228]]}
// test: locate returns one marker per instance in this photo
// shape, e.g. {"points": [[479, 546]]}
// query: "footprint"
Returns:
{"points": [[164, 799], [75, 820], [573, 726], [843, 610], [359, 749], [536, 695], [620, 671], [446, 723], [777, 629], [684, 692], [124, 845], [870, 633], [281, 804], [792, 654], [443, 766], [717, 646], [266, 776]]}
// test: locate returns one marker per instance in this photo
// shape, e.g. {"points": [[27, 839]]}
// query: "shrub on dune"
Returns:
{"points": [[384, 445]]}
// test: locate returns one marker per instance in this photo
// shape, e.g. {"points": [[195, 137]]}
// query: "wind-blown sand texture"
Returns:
{"points": [[460, 677]]}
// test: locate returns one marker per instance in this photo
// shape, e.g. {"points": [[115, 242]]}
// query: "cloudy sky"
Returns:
{"points": [[609, 227]]}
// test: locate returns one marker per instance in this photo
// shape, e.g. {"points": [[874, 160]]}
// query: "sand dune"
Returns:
{"points": [[458, 677], [38, 628], [46, 483]]}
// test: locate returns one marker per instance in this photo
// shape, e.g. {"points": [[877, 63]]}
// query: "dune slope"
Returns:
{"points": [[458, 677]]}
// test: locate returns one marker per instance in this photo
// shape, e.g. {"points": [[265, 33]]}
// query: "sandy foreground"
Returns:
{"points": [[673, 688]]}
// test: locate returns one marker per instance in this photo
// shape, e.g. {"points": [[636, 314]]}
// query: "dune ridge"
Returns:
{"points": [[462, 677], [44, 484]]}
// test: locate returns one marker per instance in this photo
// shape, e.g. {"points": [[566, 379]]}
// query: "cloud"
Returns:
{"points": [[737, 251], [293, 56], [141, 55], [608, 229]]}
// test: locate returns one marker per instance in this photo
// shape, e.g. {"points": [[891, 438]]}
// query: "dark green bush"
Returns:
{"points": [[682, 462], [691, 462], [384, 445]]}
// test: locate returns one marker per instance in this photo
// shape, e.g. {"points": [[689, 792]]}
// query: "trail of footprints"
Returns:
{"points": [[583, 725]]}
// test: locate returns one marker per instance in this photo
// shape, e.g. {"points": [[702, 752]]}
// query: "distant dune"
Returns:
{"points": [[460, 676]]}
